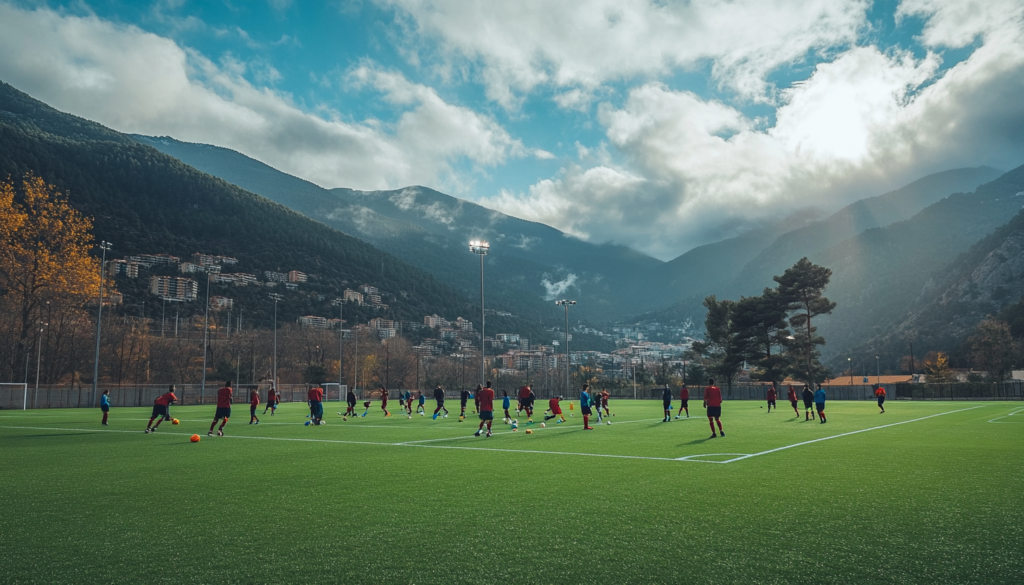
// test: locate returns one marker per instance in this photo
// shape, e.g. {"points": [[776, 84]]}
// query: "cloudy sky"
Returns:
{"points": [[659, 125]]}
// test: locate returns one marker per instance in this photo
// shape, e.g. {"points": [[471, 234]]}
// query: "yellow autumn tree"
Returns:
{"points": [[44, 256], [936, 367]]}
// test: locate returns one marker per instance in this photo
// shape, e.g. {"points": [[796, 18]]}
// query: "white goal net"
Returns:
{"points": [[334, 391], [13, 395]]}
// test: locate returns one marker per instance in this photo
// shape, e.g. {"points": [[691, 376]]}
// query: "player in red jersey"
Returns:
{"points": [[713, 402], [684, 402], [791, 395], [271, 401], [384, 401], [604, 402], [524, 399], [254, 403], [485, 401], [315, 395], [880, 395], [223, 410], [556, 410], [772, 396], [161, 409]]}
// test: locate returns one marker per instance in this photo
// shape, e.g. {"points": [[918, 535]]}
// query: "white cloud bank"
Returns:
{"points": [[695, 169], [138, 82]]}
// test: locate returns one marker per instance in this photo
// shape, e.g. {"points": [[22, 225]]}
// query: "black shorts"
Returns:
{"points": [[252, 409], [820, 406], [107, 408], [771, 403], [714, 412], [793, 403], [666, 404], [686, 403], [585, 410], [440, 402], [486, 415], [881, 399], [222, 412], [807, 404], [159, 410], [316, 408]]}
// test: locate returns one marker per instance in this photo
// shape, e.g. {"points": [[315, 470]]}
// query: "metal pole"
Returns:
{"points": [[878, 378], [104, 245], [483, 347], [206, 332], [567, 360], [39, 354]]}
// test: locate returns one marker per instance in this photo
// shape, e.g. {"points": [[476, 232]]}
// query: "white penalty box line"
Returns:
{"points": [[698, 458], [998, 419]]}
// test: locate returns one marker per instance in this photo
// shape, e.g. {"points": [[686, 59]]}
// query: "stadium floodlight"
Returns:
{"points": [[39, 355], [566, 304], [341, 344], [481, 248], [206, 332], [276, 297], [104, 246], [877, 377]]}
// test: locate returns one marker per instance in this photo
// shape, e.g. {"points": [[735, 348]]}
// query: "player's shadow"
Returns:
{"points": [[694, 442]]}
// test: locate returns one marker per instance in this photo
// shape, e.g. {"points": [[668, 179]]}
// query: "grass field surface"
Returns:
{"points": [[929, 492]]}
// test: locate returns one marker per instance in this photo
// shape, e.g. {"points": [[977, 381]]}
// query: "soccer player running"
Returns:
{"points": [[485, 402], [556, 410], [531, 398], [105, 406], [713, 402], [463, 399], [819, 403], [684, 401], [223, 412], [524, 397], [384, 401], [879, 394], [254, 403], [271, 401], [792, 400], [421, 403], [161, 409], [350, 401], [316, 403], [439, 399], [604, 403], [808, 398], [666, 403], [585, 407], [772, 395]]}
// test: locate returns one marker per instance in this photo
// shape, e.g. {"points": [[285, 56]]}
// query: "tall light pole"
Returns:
{"points": [[878, 378], [276, 297], [341, 345], [39, 355], [104, 246], [849, 364], [566, 304], [481, 248], [206, 333]]}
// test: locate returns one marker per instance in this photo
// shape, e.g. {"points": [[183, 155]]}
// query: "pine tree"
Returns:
{"points": [[801, 290]]}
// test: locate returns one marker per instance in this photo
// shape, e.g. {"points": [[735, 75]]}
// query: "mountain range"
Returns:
{"points": [[935, 250]]}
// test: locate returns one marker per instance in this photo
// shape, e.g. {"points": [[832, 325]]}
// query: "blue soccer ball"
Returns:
{"points": [[307, 423]]}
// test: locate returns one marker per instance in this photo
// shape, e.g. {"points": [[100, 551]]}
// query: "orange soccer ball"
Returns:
{"points": [[529, 432], [175, 421], [194, 439]]}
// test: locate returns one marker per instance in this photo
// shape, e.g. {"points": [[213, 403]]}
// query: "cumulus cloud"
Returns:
{"points": [[138, 82], [555, 289], [694, 169], [581, 44]]}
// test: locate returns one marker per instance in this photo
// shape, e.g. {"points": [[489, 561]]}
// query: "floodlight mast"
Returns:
{"points": [[104, 246], [341, 345], [481, 248], [566, 304], [273, 383]]}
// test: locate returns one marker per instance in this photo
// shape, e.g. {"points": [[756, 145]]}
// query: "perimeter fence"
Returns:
{"points": [[12, 397]]}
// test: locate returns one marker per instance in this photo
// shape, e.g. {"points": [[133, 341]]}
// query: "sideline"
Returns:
{"points": [[1008, 422]]}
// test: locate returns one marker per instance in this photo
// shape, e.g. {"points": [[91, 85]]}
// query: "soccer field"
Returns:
{"points": [[929, 492]]}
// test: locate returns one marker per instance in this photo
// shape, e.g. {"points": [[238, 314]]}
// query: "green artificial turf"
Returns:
{"points": [[936, 500]]}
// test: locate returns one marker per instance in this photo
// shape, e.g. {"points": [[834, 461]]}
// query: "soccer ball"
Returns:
{"points": [[608, 422], [344, 418], [529, 432], [175, 421], [570, 414], [307, 422], [542, 425], [460, 418], [194, 438]]}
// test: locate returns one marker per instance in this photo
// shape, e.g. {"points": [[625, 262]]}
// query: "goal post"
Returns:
{"points": [[9, 393], [331, 387]]}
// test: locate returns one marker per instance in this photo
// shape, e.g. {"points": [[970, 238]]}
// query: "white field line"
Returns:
{"points": [[698, 458], [849, 433], [535, 428], [1009, 421]]}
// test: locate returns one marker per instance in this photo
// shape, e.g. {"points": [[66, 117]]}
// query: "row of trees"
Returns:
{"points": [[773, 333]]}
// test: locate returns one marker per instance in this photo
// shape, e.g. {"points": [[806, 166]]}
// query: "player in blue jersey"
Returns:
{"points": [[506, 403], [585, 408], [819, 403], [105, 406]]}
